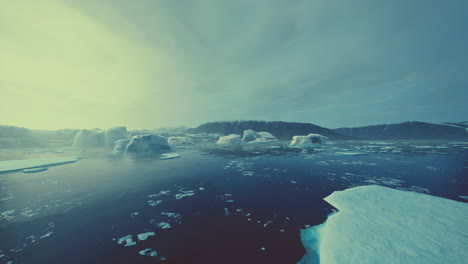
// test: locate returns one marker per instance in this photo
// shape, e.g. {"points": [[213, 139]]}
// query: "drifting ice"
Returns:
{"points": [[311, 140], [232, 140]]}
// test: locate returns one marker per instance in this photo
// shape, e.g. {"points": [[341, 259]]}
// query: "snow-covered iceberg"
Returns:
{"points": [[179, 141], [311, 140], [147, 144], [381, 225], [88, 138], [15, 165], [232, 140], [113, 134], [252, 137]]}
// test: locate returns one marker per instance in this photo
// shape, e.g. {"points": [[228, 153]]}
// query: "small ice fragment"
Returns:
{"points": [[351, 153], [293, 182], [201, 188], [262, 248], [128, 241], [148, 252], [230, 201], [46, 235], [266, 224], [154, 203], [226, 212], [184, 194], [169, 156], [164, 225]]}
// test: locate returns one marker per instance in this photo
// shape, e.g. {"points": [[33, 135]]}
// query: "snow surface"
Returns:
{"points": [[15, 165], [381, 225]]}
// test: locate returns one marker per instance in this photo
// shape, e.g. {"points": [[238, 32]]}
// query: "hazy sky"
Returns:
{"points": [[150, 63]]}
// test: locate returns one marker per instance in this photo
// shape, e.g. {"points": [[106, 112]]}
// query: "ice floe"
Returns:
{"points": [[144, 236], [169, 156], [309, 141], [184, 193], [128, 240], [15, 165], [381, 225], [232, 140], [148, 252]]}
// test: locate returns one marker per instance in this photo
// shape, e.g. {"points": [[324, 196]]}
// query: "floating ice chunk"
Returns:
{"points": [[201, 188], [262, 248], [164, 225], [128, 241], [148, 252], [15, 165], [232, 140], [154, 203], [381, 225], [169, 156], [144, 236], [34, 170], [230, 201], [351, 153], [46, 235], [309, 141], [464, 197], [184, 193], [226, 212], [159, 194]]}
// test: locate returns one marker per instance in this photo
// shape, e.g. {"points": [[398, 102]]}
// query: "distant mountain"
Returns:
{"points": [[281, 130], [407, 130]]}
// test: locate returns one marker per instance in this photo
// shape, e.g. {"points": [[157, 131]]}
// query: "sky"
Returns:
{"points": [[155, 63]]}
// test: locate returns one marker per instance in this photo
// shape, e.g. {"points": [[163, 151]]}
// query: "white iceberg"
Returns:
{"points": [[147, 143], [381, 225], [232, 140], [120, 145], [179, 141], [148, 252], [309, 141], [88, 138], [15, 165], [113, 134], [144, 236], [252, 137]]}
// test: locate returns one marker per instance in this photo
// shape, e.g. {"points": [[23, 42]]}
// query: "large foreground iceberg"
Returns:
{"points": [[381, 225]]}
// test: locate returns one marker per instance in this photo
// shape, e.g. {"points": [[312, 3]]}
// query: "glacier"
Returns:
{"points": [[377, 224]]}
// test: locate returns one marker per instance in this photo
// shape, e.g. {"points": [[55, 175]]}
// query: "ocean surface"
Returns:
{"points": [[210, 205]]}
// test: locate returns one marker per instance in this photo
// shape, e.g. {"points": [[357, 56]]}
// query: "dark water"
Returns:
{"points": [[239, 206]]}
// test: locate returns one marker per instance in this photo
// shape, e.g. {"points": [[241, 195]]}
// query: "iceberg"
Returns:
{"points": [[120, 145], [309, 141], [15, 165], [88, 138], [113, 134], [147, 143], [232, 140], [179, 141], [252, 137], [377, 224]]}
